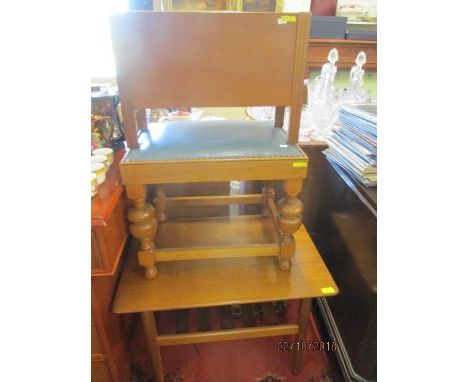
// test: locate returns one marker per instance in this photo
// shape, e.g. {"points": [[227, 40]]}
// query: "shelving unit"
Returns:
{"points": [[318, 49]]}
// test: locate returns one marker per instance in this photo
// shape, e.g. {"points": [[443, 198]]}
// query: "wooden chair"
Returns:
{"points": [[211, 60]]}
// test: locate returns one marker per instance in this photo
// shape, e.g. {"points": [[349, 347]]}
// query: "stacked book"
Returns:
{"points": [[353, 145]]}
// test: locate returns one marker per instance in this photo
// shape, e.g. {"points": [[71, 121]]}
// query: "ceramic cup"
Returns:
{"points": [[100, 170], [109, 153], [100, 159], [93, 184]]}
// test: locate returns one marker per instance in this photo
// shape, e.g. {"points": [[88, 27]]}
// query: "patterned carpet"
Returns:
{"points": [[254, 360]]}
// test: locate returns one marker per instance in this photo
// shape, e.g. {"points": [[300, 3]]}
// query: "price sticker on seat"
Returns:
{"points": [[328, 290], [287, 19], [299, 164]]}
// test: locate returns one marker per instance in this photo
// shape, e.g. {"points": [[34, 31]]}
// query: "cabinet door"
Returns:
{"points": [[347, 240], [108, 238], [96, 347], [100, 372], [96, 255], [109, 335]]}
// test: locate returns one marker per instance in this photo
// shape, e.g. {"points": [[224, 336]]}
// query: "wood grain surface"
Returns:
{"points": [[214, 170], [204, 59], [204, 283]]}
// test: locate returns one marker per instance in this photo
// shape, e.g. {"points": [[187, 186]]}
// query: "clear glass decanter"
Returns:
{"points": [[355, 93], [321, 101]]}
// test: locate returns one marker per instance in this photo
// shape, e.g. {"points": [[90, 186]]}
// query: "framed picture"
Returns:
{"points": [[222, 5], [199, 5], [262, 5], [358, 11]]}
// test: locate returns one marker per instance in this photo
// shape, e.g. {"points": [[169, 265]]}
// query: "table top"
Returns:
{"points": [[202, 140], [214, 282]]}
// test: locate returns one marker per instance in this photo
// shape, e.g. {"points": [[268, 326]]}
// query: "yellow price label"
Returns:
{"points": [[328, 290], [300, 164], [286, 19]]}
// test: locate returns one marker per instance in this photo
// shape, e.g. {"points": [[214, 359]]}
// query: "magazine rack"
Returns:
{"points": [[211, 60]]}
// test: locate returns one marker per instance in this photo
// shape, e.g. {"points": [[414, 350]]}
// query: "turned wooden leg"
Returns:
{"points": [[302, 318], [290, 209], [151, 334], [160, 203], [143, 227], [268, 192]]}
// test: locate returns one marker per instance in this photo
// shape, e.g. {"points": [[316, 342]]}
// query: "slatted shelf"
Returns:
{"points": [[221, 323]]}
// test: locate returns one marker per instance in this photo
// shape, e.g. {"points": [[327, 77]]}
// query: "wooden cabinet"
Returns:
{"points": [[318, 49], [340, 215], [109, 338], [109, 333], [96, 347], [97, 264], [108, 225], [100, 371]]}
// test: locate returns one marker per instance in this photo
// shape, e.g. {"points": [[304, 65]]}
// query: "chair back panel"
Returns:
{"points": [[197, 59]]}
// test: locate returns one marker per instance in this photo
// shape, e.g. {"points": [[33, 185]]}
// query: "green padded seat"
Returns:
{"points": [[198, 140]]}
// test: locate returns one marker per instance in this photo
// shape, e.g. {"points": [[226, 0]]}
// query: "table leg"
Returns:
{"points": [[304, 311], [151, 334]]}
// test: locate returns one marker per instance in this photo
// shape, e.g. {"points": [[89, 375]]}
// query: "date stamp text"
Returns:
{"points": [[327, 346]]}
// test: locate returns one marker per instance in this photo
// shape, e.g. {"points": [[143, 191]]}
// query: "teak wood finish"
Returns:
{"points": [[109, 332], [108, 227], [210, 59], [319, 48], [227, 281], [222, 283]]}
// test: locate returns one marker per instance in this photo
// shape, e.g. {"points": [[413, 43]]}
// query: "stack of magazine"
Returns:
{"points": [[353, 145]]}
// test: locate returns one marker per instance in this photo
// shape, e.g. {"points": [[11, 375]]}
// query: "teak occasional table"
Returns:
{"points": [[207, 283]]}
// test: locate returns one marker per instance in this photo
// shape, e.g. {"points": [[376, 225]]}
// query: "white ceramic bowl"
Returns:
{"points": [[100, 170], [100, 159], [109, 153]]}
